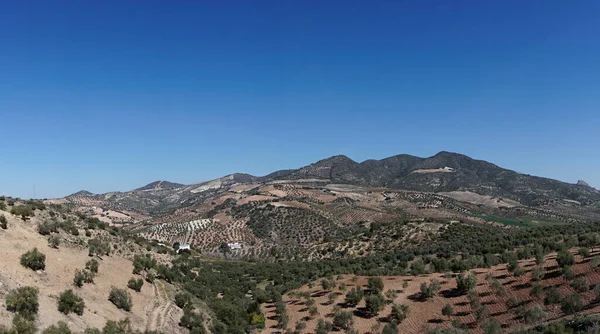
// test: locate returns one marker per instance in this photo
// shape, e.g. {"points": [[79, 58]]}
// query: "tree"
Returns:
{"points": [[580, 284], [466, 283], [374, 304], [567, 273], [539, 255], [23, 301], [448, 310], [482, 313], [60, 328], [391, 295], [34, 260], [323, 327], [332, 297], [429, 291], [536, 291], [565, 258], [191, 320], [120, 298], [342, 319], [375, 285], [418, 267], [69, 302], [492, 326], [537, 274], [571, 304], [597, 292], [552, 296], [534, 314], [399, 313], [326, 284], [584, 252], [354, 296], [183, 299], [595, 263], [390, 328]]}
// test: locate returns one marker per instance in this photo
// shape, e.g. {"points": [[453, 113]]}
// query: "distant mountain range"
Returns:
{"points": [[443, 172]]}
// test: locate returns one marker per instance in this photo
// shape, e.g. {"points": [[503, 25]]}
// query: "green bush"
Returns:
{"points": [[120, 298], [135, 284], [552, 296], [98, 247], [92, 265], [466, 283], [69, 302], [192, 320], [354, 296], [183, 299], [572, 303], [23, 301], [374, 304], [3, 222], [23, 325], [399, 313], [83, 276], [54, 241], [375, 285], [34, 260], [47, 228], [24, 211], [342, 319], [60, 328]]}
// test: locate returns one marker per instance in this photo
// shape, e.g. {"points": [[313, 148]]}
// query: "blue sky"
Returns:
{"points": [[111, 95]]}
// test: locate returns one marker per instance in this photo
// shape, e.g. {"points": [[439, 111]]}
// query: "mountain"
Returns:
{"points": [[442, 172], [160, 185]]}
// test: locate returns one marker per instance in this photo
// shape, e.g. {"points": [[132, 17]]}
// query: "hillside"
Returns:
{"points": [[152, 307]]}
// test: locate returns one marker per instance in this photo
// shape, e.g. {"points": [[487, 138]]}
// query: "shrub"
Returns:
{"points": [[60, 328], [141, 262], [47, 228], [23, 325], [54, 241], [23, 301], [120, 298], [92, 265], [571, 304], [135, 284], [69, 302], [183, 299], [98, 247], [3, 222], [568, 273], [391, 295], [191, 320], [34, 260], [81, 277], [24, 211], [584, 252]]}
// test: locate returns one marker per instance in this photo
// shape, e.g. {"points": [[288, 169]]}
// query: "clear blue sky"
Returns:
{"points": [[111, 95]]}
